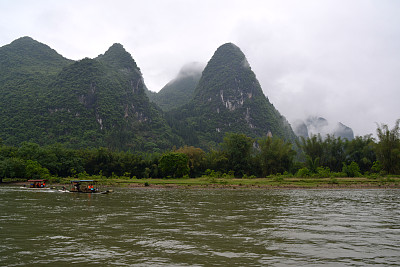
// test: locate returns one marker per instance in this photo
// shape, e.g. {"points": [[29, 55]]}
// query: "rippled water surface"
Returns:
{"points": [[141, 227]]}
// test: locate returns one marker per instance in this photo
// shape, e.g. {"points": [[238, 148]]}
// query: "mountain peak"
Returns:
{"points": [[229, 45], [116, 48], [24, 39], [229, 70], [30, 46], [230, 48], [29, 52], [229, 54], [118, 57]]}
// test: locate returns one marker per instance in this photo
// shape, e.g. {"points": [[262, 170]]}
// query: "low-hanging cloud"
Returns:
{"points": [[191, 69], [338, 63]]}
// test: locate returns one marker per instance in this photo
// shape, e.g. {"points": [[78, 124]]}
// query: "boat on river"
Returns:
{"points": [[84, 186], [39, 184]]}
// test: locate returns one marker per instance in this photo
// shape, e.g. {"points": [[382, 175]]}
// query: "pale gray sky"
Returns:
{"points": [[338, 59]]}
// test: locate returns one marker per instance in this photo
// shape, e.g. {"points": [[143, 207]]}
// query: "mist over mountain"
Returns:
{"points": [[180, 90], [228, 98], [343, 131], [191, 69], [314, 125]]}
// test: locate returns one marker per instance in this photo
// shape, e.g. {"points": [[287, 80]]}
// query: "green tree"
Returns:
{"points": [[276, 155], [351, 170], [217, 160], [60, 160], [312, 164], [12, 168], [388, 147], [238, 149], [333, 153], [312, 147], [29, 150], [197, 158], [362, 151], [174, 164], [35, 170]]}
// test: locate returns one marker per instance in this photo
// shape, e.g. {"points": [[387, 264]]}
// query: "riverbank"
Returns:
{"points": [[265, 183], [239, 183]]}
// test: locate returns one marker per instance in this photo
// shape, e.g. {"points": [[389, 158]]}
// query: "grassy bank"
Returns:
{"points": [[206, 182], [267, 182]]}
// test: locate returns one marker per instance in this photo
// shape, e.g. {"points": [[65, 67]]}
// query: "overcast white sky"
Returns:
{"points": [[339, 59]]}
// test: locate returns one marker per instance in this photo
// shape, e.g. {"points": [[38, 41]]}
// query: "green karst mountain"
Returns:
{"points": [[228, 98], [91, 102], [180, 90], [106, 97], [46, 98]]}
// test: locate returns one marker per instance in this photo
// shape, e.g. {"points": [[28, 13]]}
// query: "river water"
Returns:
{"points": [[177, 227]]}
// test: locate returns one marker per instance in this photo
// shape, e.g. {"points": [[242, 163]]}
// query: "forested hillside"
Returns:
{"points": [[27, 68], [46, 98]]}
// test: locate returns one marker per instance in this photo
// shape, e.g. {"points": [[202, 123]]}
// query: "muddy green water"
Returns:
{"points": [[164, 227]]}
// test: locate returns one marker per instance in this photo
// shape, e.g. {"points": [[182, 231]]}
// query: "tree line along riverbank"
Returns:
{"points": [[238, 156]]}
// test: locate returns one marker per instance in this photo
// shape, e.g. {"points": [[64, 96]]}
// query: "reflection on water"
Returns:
{"points": [[141, 227]]}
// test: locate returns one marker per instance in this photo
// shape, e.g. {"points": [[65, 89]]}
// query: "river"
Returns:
{"points": [[177, 227]]}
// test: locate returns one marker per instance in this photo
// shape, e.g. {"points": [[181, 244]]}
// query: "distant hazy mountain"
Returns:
{"points": [[46, 98], [300, 128], [318, 125], [180, 90], [228, 98], [343, 131]]}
